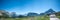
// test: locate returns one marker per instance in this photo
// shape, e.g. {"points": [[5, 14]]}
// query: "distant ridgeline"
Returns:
{"points": [[49, 12], [6, 14], [13, 14]]}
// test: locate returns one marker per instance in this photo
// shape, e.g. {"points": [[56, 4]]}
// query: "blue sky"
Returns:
{"points": [[24, 6]]}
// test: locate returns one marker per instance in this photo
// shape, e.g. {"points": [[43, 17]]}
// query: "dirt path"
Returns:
{"points": [[54, 19]]}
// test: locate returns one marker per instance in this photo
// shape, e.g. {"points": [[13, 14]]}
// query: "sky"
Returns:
{"points": [[22, 7]]}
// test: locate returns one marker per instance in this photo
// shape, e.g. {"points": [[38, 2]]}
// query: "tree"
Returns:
{"points": [[57, 14], [21, 16]]}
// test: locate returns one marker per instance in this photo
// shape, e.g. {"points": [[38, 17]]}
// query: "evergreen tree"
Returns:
{"points": [[57, 14]]}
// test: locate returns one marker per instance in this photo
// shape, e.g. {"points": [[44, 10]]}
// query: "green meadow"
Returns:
{"points": [[30, 18]]}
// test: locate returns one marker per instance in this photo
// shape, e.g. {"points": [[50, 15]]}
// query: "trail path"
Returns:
{"points": [[53, 17]]}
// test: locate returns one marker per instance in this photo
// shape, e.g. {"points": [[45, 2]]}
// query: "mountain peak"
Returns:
{"points": [[50, 11]]}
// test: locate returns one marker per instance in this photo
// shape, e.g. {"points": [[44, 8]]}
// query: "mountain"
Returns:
{"points": [[32, 14], [48, 12]]}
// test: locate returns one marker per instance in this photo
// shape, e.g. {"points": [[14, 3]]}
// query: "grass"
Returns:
{"points": [[31, 18]]}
